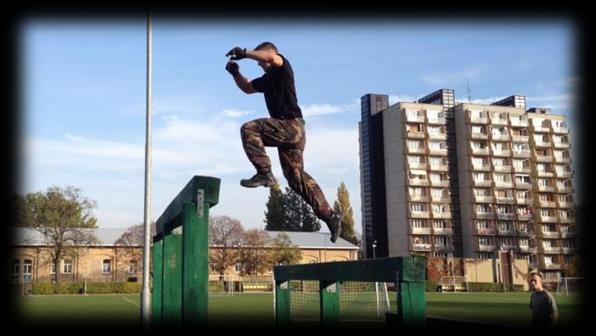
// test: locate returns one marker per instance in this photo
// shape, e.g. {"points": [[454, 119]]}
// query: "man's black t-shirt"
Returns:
{"points": [[280, 91]]}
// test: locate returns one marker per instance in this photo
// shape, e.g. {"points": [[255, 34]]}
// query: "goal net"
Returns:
{"points": [[571, 285], [358, 300], [453, 283], [221, 285]]}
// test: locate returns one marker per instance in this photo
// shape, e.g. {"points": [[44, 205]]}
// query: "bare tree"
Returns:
{"points": [[130, 243], [225, 234], [283, 251], [254, 257], [63, 216]]}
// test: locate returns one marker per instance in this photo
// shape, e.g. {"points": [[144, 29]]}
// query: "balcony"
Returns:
{"points": [[503, 169], [524, 233], [478, 136], [415, 135], [485, 215], [437, 151], [550, 234], [481, 168], [437, 136], [415, 118], [483, 199], [569, 250], [541, 144], [501, 152], [525, 217], [442, 199], [441, 167], [418, 150], [419, 198], [542, 173], [517, 122], [547, 219], [566, 220], [505, 247], [442, 215], [437, 121], [439, 183], [504, 184], [569, 234], [546, 188], [505, 200], [418, 182], [499, 121], [476, 119], [552, 266], [486, 232], [561, 145], [420, 214], [564, 189], [563, 174], [547, 204], [421, 247], [506, 216], [523, 200], [483, 183], [502, 137], [419, 166], [507, 232], [544, 158], [443, 231], [527, 249], [521, 154], [565, 205], [520, 138], [523, 185], [523, 170], [541, 128], [551, 250], [421, 230], [561, 130], [560, 159], [480, 151], [486, 248]]}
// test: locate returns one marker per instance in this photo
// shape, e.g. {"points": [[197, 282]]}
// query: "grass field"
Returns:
{"points": [[509, 309]]}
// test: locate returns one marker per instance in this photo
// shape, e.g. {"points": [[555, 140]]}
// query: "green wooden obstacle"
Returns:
{"points": [[408, 273], [180, 255]]}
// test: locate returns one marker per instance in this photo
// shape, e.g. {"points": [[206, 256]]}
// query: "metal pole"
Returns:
{"points": [[146, 295]]}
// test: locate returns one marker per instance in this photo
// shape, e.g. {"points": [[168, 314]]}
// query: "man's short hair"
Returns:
{"points": [[536, 272], [266, 45]]}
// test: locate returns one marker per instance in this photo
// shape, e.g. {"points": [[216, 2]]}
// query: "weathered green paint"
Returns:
{"points": [[411, 303], [329, 301], [172, 280], [210, 187], [409, 268], [282, 303], [196, 264], [156, 298]]}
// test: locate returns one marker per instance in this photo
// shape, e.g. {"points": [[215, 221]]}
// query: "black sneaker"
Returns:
{"points": [[259, 180], [335, 225]]}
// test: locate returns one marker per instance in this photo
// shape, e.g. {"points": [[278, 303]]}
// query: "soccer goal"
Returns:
{"points": [[568, 285], [338, 292], [453, 283], [221, 285]]}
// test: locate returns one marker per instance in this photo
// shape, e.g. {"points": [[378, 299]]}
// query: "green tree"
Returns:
{"points": [[310, 222], [574, 268], [292, 210], [343, 204], [274, 216], [283, 251], [63, 216]]}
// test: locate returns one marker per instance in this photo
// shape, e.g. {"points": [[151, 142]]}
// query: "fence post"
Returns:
{"points": [[329, 294]]}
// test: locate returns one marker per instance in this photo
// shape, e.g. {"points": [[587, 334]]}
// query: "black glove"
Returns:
{"points": [[233, 68], [237, 53]]}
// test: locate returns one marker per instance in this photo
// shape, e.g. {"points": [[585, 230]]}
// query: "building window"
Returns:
{"points": [[106, 266], [52, 268], [132, 267], [482, 224], [67, 267], [27, 270], [14, 270], [237, 267]]}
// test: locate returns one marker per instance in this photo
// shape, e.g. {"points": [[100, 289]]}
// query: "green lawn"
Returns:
{"points": [[494, 308]]}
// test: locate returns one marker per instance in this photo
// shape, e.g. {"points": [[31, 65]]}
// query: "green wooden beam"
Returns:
{"points": [[196, 265], [411, 303], [172, 280], [157, 292], [329, 301], [409, 268], [282, 303], [209, 186]]}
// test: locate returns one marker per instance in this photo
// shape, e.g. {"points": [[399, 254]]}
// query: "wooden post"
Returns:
{"points": [[329, 298], [282, 303], [157, 296], [172, 280]]}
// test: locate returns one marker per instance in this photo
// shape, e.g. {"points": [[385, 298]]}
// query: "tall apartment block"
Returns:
{"points": [[467, 180]]}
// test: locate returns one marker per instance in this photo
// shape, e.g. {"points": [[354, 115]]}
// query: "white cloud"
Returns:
{"points": [[326, 109], [235, 113]]}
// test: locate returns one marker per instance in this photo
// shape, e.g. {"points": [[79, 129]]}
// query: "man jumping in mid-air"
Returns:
{"points": [[284, 130]]}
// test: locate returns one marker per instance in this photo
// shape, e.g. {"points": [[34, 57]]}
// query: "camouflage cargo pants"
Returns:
{"points": [[289, 138]]}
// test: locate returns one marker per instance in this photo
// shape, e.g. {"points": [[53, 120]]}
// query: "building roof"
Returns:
{"points": [[109, 236]]}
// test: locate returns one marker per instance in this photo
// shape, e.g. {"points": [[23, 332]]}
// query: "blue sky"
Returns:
{"points": [[84, 97]]}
